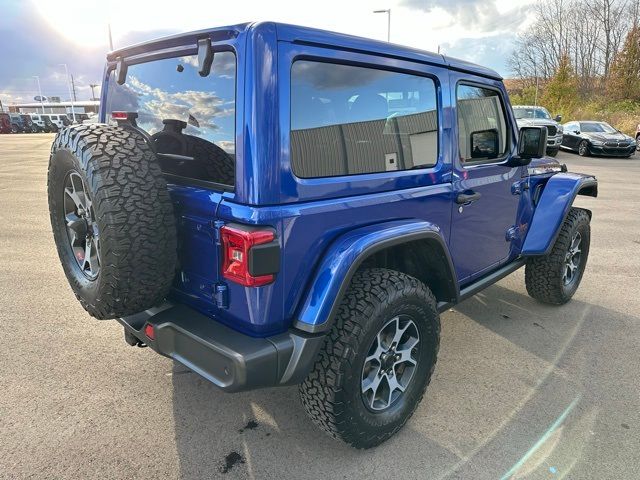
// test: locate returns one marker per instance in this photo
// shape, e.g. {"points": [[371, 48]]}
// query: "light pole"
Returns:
{"points": [[388, 12], [73, 112], [39, 92], [93, 93]]}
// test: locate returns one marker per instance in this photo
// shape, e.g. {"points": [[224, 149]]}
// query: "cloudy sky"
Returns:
{"points": [[39, 36]]}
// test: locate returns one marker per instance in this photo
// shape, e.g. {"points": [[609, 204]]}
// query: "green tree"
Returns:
{"points": [[561, 92], [624, 78], [527, 96]]}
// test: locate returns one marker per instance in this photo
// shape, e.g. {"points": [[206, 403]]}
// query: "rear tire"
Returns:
{"points": [[348, 393], [112, 219], [555, 277]]}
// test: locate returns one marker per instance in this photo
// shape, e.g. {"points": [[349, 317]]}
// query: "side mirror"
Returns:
{"points": [[485, 144], [205, 57], [558, 118], [532, 142]]}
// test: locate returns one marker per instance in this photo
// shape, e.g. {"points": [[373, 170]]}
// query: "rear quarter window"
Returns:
{"points": [[349, 120]]}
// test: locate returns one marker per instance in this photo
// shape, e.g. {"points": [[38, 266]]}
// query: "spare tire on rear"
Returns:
{"points": [[112, 218]]}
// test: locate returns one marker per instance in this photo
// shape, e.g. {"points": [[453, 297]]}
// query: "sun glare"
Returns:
{"points": [[83, 22]]}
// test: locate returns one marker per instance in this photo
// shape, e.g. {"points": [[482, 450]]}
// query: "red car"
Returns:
{"points": [[5, 123]]}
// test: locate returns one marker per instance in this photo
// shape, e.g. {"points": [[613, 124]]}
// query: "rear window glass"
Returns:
{"points": [[190, 119], [348, 120]]}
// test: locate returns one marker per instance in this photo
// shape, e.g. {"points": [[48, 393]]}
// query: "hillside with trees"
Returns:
{"points": [[581, 59]]}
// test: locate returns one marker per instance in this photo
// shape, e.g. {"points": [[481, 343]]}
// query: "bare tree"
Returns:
{"points": [[589, 32]]}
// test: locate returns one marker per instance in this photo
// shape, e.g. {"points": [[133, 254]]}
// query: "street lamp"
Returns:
{"points": [[73, 112], [388, 12], [39, 92], [93, 93]]}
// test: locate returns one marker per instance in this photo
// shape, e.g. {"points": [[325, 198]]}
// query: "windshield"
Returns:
{"points": [[597, 127], [531, 112], [186, 115]]}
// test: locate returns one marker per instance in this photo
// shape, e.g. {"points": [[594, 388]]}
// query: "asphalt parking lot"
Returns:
{"points": [[521, 390]]}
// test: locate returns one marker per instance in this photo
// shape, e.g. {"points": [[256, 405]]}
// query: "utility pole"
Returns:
{"points": [[40, 92], [73, 86], [388, 12], [110, 38], [1, 107], [535, 72], [93, 93], [73, 111]]}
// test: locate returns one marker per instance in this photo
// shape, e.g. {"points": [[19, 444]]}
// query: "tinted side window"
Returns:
{"points": [[348, 120], [482, 129]]}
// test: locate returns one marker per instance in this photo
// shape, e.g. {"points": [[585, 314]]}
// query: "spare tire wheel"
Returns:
{"points": [[112, 219]]}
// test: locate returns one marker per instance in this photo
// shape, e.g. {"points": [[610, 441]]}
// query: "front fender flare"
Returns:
{"points": [[552, 209], [344, 257]]}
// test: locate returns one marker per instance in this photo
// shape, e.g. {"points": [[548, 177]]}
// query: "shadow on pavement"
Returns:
{"points": [[551, 395]]}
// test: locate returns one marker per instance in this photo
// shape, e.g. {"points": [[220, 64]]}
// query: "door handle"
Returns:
{"points": [[467, 198]]}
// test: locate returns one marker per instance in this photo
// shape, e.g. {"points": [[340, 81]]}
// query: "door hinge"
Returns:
{"points": [[217, 225], [221, 295], [518, 187], [513, 233]]}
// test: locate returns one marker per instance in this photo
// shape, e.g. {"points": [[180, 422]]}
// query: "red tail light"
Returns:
{"points": [[237, 264], [120, 115]]}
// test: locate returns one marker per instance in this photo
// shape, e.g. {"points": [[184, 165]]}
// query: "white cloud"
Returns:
{"points": [[422, 24], [205, 107]]}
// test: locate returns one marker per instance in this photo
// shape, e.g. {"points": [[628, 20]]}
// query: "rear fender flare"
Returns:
{"points": [[343, 258], [553, 207]]}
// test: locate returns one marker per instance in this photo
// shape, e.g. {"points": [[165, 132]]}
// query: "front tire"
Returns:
{"points": [[552, 152], [583, 149], [377, 360], [554, 278]]}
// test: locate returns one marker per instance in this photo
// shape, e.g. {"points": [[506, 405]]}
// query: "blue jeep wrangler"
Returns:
{"points": [[274, 205]]}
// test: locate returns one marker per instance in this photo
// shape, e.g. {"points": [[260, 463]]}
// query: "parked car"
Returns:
{"points": [[5, 123], [29, 125], [597, 138], [44, 122], [638, 137], [540, 116], [17, 125], [314, 237], [59, 120], [91, 118], [80, 117]]}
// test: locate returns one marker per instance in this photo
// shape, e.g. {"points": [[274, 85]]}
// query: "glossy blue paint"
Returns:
{"points": [[478, 231], [552, 208], [347, 252], [323, 225]]}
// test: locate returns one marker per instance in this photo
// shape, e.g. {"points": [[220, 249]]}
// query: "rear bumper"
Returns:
{"points": [[229, 359]]}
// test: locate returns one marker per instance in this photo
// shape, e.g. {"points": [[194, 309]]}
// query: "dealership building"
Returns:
{"points": [[81, 106]]}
